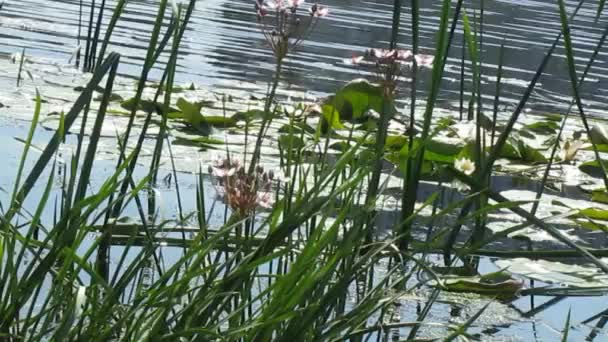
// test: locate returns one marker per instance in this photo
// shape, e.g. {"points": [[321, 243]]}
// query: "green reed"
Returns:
{"points": [[272, 276]]}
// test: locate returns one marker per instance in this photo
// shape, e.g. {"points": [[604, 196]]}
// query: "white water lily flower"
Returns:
{"points": [[465, 165], [570, 149], [460, 185], [81, 298], [465, 130]]}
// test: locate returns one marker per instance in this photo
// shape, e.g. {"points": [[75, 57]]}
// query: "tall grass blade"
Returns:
{"points": [[574, 84]]}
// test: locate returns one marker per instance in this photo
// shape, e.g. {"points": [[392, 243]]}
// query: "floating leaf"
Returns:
{"points": [[250, 115], [553, 117], [598, 135], [543, 127], [331, 118], [341, 146], [356, 98], [593, 168], [485, 122], [395, 141], [297, 128], [191, 113], [594, 213], [220, 121], [530, 154], [202, 142], [498, 284], [526, 134], [468, 151], [435, 151], [508, 151], [591, 225], [113, 98], [599, 196], [555, 272], [286, 141], [600, 148], [147, 106]]}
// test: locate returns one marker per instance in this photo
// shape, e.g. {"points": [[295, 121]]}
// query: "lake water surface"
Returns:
{"points": [[223, 47]]}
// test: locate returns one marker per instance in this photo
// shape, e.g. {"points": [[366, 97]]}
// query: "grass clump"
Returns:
{"points": [[299, 252]]}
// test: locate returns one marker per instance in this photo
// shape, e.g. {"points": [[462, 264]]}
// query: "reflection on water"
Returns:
{"points": [[223, 46]]}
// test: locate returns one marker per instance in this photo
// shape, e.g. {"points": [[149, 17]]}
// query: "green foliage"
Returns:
{"points": [[191, 113], [286, 272], [543, 127], [593, 168], [287, 141], [202, 142], [147, 106], [496, 284], [600, 196], [529, 154], [352, 102], [250, 115]]}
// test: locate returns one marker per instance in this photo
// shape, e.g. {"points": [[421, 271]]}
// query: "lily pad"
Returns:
{"points": [[250, 115], [331, 118], [147, 106], [497, 284], [435, 151], [287, 141], [393, 142], [356, 98], [600, 196], [594, 213], [530, 154], [593, 168], [297, 128], [598, 135], [509, 151], [202, 142], [191, 113], [554, 272], [553, 117], [600, 148], [543, 127], [220, 121]]}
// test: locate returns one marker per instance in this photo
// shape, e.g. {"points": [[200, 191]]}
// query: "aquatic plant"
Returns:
{"points": [[465, 166], [391, 64], [284, 30], [243, 192], [313, 266]]}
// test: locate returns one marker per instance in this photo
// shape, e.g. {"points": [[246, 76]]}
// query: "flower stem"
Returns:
{"points": [[267, 119]]}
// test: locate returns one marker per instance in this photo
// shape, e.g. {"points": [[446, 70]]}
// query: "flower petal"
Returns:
{"points": [[424, 60], [404, 54], [354, 60], [294, 3]]}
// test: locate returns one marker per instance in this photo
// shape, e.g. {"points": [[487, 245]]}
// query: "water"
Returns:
{"points": [[223, 47], [536, 318]]}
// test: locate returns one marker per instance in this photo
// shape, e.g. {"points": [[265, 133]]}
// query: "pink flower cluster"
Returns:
{"points": [[386, 56], [263, 7], [241, 191], [281, 24], [388, 64]]}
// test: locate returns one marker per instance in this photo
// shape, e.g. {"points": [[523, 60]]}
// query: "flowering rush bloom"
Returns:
{"points": [[241, 191], [318, 11], [281, 24], [386, 56]]}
